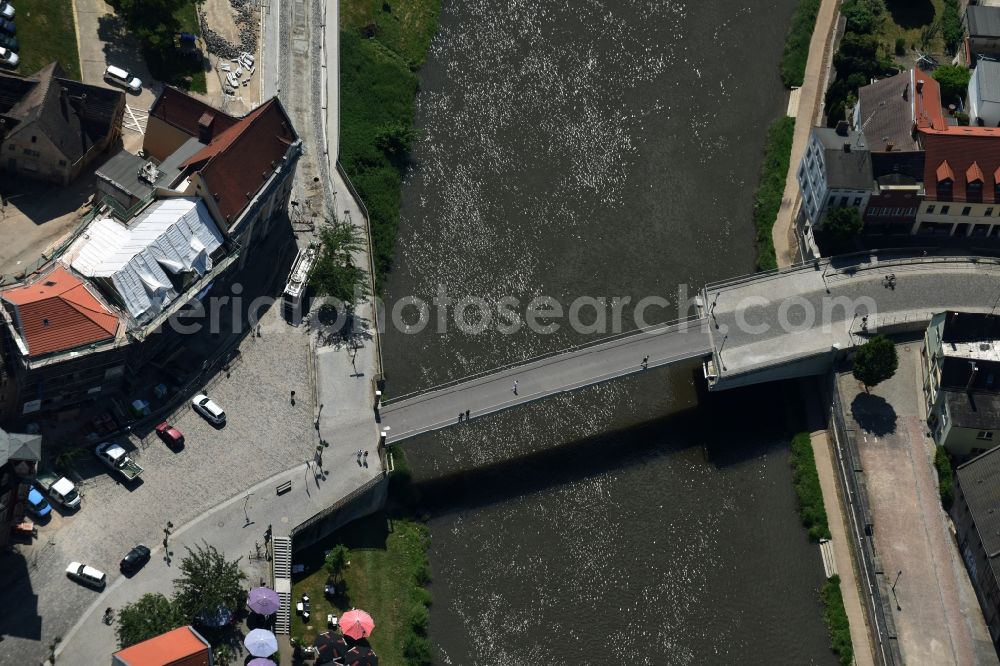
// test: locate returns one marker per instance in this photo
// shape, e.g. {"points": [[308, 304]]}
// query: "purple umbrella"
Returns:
{"points": [[260, 661], [263, 601]]}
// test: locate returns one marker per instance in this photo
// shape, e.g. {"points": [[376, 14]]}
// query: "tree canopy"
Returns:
{"points": [[336, 560], [954, 79], [843, 223], [335, 273], [154, 22], [875, 361], [209, 584], [150, 616]]}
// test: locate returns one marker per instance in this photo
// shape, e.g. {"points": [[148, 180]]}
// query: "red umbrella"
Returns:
{"points": [[357, 624]]}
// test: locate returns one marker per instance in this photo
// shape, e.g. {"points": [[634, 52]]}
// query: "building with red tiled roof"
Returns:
{"points": [[181, 647], [961, 181], [244, 170], [57, 313]]}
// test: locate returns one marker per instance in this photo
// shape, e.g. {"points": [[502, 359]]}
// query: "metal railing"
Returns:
{"points": [[650, 330]]}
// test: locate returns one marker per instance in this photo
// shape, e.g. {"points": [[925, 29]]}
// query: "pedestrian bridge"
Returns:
{"points": [[792, 322], [560, 372]]}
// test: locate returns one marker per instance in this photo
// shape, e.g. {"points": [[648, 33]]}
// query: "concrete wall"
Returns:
{"points": [[369, 500]]}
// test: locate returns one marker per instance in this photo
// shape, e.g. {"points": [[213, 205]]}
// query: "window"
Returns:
{"points": [[945, 209], [966, 210], [31, 153], [986, 435], [843, 201], [930, 209], [34, 139], [988, 211], [832, 201], [857, 201]]}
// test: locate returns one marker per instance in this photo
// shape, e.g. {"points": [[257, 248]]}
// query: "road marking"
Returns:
{"points": [[136, 121]]}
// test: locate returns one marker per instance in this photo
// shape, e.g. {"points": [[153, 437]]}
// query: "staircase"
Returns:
{"points": [[281, 570]]}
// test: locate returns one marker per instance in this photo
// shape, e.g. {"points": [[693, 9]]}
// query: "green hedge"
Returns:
{"points": [[805, 480], [836, 620], [946, 478], [770, 190], [793, 60]]}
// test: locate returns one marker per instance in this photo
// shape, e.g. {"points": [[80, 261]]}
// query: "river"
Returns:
{"points": [[599, 149]]}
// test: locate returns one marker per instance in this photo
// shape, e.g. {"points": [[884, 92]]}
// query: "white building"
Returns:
{"points": [[984, 94]]}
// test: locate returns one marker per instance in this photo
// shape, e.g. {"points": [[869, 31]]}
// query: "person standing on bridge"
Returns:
{"points": [[514, 388], [645, 361]]}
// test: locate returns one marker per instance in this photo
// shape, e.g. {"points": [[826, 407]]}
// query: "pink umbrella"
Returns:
{"points": [[260, 661], [357, 624]]}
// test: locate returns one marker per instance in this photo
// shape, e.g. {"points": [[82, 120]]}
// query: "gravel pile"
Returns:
{"points": [[247, 26]]}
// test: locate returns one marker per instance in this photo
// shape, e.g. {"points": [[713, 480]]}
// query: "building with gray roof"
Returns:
{"points": [[976, 512], [836, 171], [984, 93], [982, 24]]}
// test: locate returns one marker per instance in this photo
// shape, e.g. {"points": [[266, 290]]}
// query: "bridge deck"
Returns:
{"points": [[544, 377]]}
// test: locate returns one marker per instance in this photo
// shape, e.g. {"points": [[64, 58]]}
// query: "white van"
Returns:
{"points": [[120, 77], [88, 576]]}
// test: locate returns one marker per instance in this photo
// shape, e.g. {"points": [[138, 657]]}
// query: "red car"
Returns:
{"points": [[169, 434]]}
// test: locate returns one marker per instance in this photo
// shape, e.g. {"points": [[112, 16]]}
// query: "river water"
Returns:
{"points": [[599, 149]]}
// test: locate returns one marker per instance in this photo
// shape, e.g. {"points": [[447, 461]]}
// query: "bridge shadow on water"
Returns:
{"points": [[727, 429]]}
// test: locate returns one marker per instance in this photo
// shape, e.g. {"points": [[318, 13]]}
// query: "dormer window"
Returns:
{"points": [[974, 182]]}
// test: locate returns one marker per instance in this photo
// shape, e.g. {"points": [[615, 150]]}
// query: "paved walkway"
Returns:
{"points": [[937, 617], [810, 109], [833, 504]]}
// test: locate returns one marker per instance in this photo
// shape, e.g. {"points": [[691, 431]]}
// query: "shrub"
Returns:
{"points": [[417, 651], [836, 620], [419, 617], [843, 223], [770, 190], [860, 18], [900, 46], [796, 54], [954, 80], [946, 478], [875, 361], [805, 481], [951, 25]]}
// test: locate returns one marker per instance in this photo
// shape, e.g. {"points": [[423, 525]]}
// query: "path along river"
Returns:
{"points": [[603, 149]]}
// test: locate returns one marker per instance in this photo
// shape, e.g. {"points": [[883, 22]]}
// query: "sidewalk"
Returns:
{"points": [[809, 110], [826, 468]]}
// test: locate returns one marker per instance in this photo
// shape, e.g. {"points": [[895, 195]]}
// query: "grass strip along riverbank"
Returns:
{"points": [[805, 480], [836, 620], [771, 188], [381, 47], [796, 53], [386, 576]]}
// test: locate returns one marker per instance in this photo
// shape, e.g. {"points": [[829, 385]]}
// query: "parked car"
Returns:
{"points": [[9, 42], [88, 576], [37, 503], [8, 26], [135, 560], [6, 10], [8, 57], [120, 77], [60, 489], [173, 437], [208, 409]]}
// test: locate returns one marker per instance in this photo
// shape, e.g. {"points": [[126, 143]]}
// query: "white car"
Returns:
{"points": [[120, 77], [211, 411], [88, 576], [8, 57], [6, 10]]}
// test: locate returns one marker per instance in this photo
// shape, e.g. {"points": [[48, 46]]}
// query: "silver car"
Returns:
{"points": [[208, 409]]}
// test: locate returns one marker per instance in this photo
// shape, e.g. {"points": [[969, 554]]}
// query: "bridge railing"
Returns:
{"points": [[649, 330]]}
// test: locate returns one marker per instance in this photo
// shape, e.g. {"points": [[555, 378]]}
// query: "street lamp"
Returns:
{"points": [[245, 514], [898, 607]]}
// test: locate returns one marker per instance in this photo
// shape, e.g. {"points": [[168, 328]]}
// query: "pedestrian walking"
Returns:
{"points": [[645, 361], [514, 389], [466, 415], [460, 415]]}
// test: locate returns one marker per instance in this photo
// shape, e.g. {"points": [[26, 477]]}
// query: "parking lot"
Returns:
{"points": [[264, 434]]}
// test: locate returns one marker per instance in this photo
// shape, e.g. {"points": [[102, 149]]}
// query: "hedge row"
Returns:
{"points": [[946, 478], [805, 480], [836, 620], [771, 189], [796, 54]]}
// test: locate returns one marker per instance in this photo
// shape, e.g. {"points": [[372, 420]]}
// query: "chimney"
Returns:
{"points": [[205, 125], [889, 146], [920, 85], [842, 128]]}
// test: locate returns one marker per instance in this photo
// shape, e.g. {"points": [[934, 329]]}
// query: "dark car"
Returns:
{"points": [[171, 435], [8, 26], [136, 558], [9, 42]]}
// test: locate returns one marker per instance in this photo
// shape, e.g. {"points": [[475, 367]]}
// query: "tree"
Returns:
{"points": [[336, 560], [875, 361], [335, 273], [151, 615], [954, 79], [154, 22], [843, 223], [210, 583], [395, 141], [860, 18]]}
